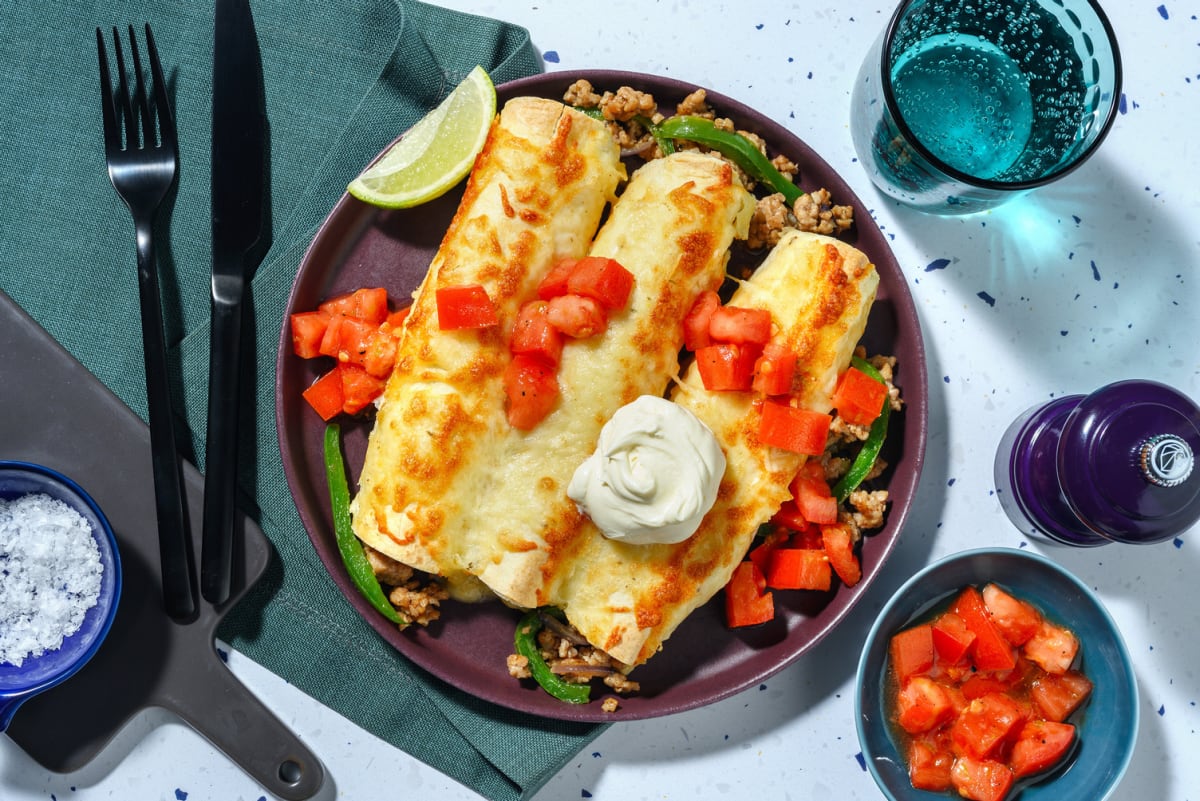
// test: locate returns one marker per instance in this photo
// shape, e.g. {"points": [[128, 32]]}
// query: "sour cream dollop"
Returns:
{"points": [[653, 476]]}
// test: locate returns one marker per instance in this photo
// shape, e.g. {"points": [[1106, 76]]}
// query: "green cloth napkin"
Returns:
{"points": [[343, 78]]}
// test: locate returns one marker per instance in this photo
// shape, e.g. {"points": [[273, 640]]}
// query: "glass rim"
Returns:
{"points": [[986, 183]]}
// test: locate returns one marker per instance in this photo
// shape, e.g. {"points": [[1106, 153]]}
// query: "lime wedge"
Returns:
{"points": [[436, 153]]}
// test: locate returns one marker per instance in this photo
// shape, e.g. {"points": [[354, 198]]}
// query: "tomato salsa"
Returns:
{"points": [[983, 694]]}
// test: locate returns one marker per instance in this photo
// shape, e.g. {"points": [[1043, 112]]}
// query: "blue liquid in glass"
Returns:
{"points": [[966, 101]]}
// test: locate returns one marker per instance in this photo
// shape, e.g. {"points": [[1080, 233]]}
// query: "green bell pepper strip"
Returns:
{"points": [[353, 556], [871, 446], [733, 145], [525, 639]]}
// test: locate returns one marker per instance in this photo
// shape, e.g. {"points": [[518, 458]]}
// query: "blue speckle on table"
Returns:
{"points": [[1121, 105], [584, 794], [810, 75], [762, 687], [1162, 12], [550, 56], [1162, 711], [937, 264], [223, 655], [1178, 542], [758, 27], [945, 379], [595, 755], [180, 795], [1076, 218], [1062, 333], [950, 483], [1095, 271], [862, 761], [986, 298]]}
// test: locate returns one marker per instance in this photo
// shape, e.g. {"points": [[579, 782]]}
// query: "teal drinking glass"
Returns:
{"points": [[962, 105]]}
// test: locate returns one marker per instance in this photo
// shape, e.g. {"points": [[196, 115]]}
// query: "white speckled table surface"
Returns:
{"points": [[1077, 285]]}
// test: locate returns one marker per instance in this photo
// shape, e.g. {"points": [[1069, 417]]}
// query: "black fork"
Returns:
{"points": [[143, 157]]}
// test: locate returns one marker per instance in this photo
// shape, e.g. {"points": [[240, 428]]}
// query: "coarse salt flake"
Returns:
{"points": [[50, 573]]}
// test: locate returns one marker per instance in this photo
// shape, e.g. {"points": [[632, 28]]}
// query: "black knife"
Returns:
{"points": [[239, 159]]}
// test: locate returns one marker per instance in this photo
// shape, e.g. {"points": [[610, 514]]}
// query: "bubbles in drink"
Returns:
{"points": [[967, 102]]}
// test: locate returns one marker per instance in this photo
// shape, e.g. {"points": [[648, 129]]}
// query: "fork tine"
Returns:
{"points": [[162, 104], [112, 136], [124, 109], [140, 104]]}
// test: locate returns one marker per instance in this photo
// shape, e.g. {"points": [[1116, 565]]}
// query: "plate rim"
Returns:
{"points": [[913, 372]]}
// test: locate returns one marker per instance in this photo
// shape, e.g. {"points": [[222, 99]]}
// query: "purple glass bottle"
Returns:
{"points": [[1112, 466]]}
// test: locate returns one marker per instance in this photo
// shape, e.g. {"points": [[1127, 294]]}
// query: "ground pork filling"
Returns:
{"points": [[629, 112], [568, 655], [417, 596]]}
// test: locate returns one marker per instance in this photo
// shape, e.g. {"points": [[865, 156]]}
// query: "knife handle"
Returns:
{"points": [[221, 452]]}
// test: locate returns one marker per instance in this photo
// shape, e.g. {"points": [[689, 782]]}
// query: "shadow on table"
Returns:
{"points": [[1064, 267]]}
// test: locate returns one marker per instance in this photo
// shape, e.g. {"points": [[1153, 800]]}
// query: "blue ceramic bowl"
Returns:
{"points": [[1108, 724], [40, 673]]}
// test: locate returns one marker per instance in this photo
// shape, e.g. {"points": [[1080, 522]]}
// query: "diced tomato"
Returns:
{"points": [[325, 394], [345, 305], [747, 603], [395, 320], [760, 554], [812, 495], [1040, 745], [740, 325], [532, 389], [859, 398], [353, 337], [951, 638], [809, 537], [577, 316], [922, 705], [839, 547], [332, 341], [789, 516], [1053, 648], [987, 726], [533, 333], [726, 367], [380, 356], [465, 306], [601, 279], [793, 428], [1056, 697], [369, 304], [981, 779], [799, 569], [359, 388], [555, 282], [774, 370], [695, 322], [978, 685], [911, 652], [929, 766], [990, 650], [1017, 620], [308, 329]]}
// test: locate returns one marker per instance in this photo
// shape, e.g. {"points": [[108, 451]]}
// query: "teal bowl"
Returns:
{"points": [[1107, 724]]}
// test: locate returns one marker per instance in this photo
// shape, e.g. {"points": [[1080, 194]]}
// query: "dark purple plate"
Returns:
{"points": [[704, 661]]}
